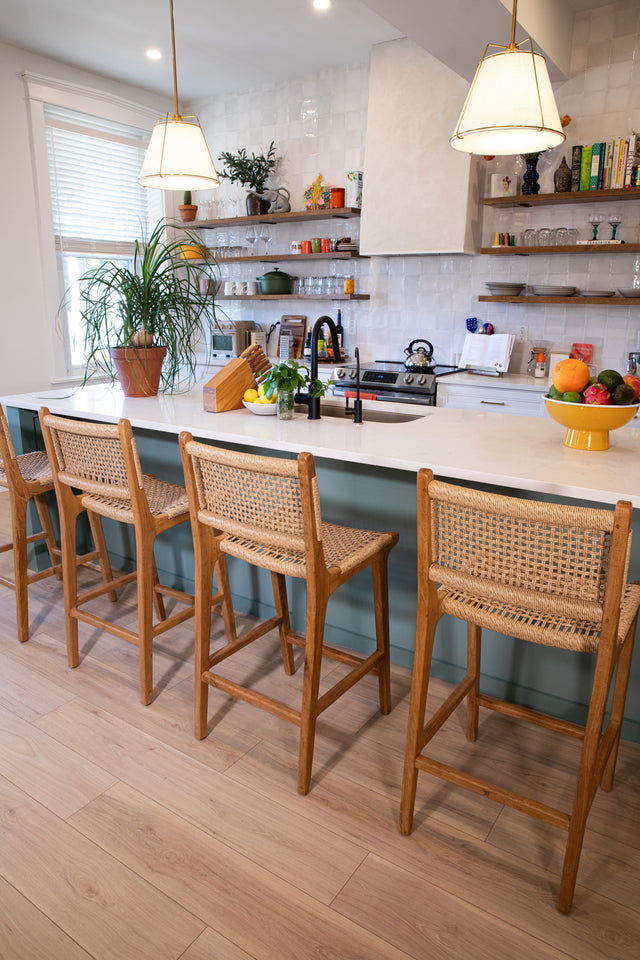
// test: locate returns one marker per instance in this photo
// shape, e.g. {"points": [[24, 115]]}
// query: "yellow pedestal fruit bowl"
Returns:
{"points": [[589, 423]]}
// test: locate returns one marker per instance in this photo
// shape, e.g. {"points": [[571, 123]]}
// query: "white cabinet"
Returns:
{"points": [[522, 400], [419, 195]]}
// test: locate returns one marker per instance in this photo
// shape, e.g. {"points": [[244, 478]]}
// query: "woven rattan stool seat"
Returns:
{"points": [[546, 573], [164, 499], [34, 468], [266, 511], [101, 461]]}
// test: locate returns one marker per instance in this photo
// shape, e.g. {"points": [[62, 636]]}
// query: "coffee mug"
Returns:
{"points": [[241, 288], [253, 288], [316, 245], [306, 246], [229, 288], [325, 245]]}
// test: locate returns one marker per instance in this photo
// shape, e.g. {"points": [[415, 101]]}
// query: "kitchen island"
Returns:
{"points": [[367, 478]]}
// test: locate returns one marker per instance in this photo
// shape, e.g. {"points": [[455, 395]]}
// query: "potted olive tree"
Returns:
{"points": [[144, 324], [252, 172]]}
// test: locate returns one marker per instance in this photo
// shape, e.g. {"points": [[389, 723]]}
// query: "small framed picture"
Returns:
{"points": [[503, 184]]}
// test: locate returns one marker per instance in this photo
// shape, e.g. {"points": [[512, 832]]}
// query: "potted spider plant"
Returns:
{"points": [[144, 323], [252, 172]]}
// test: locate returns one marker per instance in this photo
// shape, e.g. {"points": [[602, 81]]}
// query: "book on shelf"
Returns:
{"points": [[596, 160], [487, 354], [622, 163], [576, 161], [585, 167], [633, 158], [608, 161], [614, 164]]}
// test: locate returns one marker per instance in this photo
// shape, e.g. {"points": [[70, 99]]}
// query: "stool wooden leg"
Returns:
{"points": [[42, 507], [69, 578], [19, 533], [202, 626], [146, 593], [316, 612], [224, 592], [473, 669], [282, 610], [381, 608], [425, 635], [95, 522], [617, 704]]}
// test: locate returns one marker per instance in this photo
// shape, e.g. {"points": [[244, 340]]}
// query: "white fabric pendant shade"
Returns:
{"points": [[506, 110], [178, 158]]}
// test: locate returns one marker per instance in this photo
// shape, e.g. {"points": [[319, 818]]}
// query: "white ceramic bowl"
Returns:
{"points": [[631, 292], [262, 409]]}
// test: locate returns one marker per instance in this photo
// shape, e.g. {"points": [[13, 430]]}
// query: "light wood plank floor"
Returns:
{"points": [[121, 836]]}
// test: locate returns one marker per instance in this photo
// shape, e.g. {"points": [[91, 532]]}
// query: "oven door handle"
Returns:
{"points": [[363, 396]]}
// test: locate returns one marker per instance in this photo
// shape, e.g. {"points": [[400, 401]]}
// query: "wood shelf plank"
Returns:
{"points": [[572, 248], [328, 213], [295, 296], [575, 300], [577, 196], [277, 257]]}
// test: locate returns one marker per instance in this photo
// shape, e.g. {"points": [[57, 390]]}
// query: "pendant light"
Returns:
{"points": [[178, 157], [510, 107]]}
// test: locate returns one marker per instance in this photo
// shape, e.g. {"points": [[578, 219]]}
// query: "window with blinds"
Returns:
{"points": [[99, 208]]}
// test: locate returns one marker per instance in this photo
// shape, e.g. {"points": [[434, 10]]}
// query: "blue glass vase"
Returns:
{"points": [[531, 176]]}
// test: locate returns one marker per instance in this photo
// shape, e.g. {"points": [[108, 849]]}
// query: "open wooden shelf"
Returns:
{"points": [[327, 213], [277, 257], [572, 248], [576, 196], [605, 301], [295, 296]]}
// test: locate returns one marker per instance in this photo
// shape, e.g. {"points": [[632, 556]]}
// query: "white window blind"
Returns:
{"points": [[98, 205]]}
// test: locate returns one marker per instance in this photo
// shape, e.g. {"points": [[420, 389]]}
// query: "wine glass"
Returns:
{"points": [[264, 235], [595, 219], [615, 219], [250, 236]]}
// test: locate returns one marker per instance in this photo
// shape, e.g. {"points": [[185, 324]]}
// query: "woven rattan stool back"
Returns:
{"points": [[93, 456], [7, 449], [259, 499]]}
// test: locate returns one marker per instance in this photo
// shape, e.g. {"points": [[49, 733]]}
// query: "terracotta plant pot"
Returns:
{"points": [[188, 212], [139, 369]]}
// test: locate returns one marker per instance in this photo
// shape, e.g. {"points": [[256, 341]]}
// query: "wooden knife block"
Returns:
{"points": [[226, 389]]}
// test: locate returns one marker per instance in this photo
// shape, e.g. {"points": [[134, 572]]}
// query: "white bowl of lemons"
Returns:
{"points": [[258, 403]]}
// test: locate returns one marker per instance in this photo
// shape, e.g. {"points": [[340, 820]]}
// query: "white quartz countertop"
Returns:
{"points": [[525, 453], [512, 381]]}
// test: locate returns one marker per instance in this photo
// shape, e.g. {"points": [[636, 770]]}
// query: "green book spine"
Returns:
{"points": [[585, 168], [576, 163], [594, 179]]}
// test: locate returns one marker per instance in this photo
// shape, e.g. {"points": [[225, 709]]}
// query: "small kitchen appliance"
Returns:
{"points": [[229, 338]]}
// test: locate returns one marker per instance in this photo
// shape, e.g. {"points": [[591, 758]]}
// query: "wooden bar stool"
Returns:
{"points": [[266, 511], [542, 572], [28, 477], [101, 461]]}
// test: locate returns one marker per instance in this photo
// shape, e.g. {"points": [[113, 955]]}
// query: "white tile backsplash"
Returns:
{"points": [[431, 296]]}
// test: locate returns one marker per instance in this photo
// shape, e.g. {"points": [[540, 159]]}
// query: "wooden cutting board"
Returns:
{"points": [[226, 389]]}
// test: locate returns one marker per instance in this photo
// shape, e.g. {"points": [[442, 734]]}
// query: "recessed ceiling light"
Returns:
{"points": [[322, 4], [154, 54]]}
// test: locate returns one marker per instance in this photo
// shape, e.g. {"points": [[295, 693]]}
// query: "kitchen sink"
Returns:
{"points": [[369, 415]]}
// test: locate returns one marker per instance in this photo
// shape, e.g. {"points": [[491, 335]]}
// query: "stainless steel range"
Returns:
{"points": [[390, 380]]}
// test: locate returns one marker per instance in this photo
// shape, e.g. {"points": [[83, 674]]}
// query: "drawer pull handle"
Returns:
{"points": [[494, 403]]}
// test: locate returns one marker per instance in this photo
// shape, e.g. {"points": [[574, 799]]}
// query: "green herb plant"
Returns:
{"points": [[289, 376], [251, 171], [157, 301]]}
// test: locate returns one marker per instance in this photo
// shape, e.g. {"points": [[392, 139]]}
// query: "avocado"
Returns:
{"points": [[554, 393], [623, 395], [610, 378]]}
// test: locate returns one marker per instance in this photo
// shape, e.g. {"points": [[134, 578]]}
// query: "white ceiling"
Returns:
{"points": [[221, 46]]}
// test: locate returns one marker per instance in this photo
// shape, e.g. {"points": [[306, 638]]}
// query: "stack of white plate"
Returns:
{"points": [[631, 292], [539, 291], [597, 293], [504, 289]]}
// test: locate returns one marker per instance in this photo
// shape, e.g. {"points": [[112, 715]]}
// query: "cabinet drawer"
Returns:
{"points": [[519, 403]]}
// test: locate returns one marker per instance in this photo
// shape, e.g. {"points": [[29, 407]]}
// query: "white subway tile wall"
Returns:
{"points": [[318, 124]]}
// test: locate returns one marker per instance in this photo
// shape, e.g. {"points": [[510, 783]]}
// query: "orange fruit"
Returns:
{"points": [[570, 376]]}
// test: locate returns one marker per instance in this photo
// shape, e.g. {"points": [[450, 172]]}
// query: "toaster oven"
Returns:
{"points": [[229, 338]]}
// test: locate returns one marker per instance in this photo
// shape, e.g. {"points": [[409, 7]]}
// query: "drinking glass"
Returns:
{"points": [[595, 219], [615, 219], [264, 235], [529, 238], [250, 237], [573, 235], [545, 237], [561, 236]]}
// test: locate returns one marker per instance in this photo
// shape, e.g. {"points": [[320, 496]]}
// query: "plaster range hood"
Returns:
{"points": [[419, 195]]}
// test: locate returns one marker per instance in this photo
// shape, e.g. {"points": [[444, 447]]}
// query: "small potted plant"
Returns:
{"points": [[145, 322], [187, 209], [286, 378], [252, 172]]}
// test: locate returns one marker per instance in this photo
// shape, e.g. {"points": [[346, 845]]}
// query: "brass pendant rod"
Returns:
{"points": [[513, 23], [176, 115]]}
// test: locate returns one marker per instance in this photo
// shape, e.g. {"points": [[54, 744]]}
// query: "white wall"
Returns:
{"points": [[430, 296], [27, 322]]}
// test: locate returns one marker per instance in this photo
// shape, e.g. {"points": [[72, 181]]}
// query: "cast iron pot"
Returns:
{"points": [[276, 281], [421, 358]]}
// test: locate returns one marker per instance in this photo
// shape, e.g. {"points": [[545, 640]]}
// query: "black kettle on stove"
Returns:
{"points": [[420, 359]]}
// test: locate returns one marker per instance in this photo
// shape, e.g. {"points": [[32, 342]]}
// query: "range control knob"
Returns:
{"points": [[340, 373], [421, 380], [352, 374], [408, 378]]}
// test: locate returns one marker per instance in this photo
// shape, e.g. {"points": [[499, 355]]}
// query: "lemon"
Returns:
{"points": [[261, 390], [251, 395]]}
